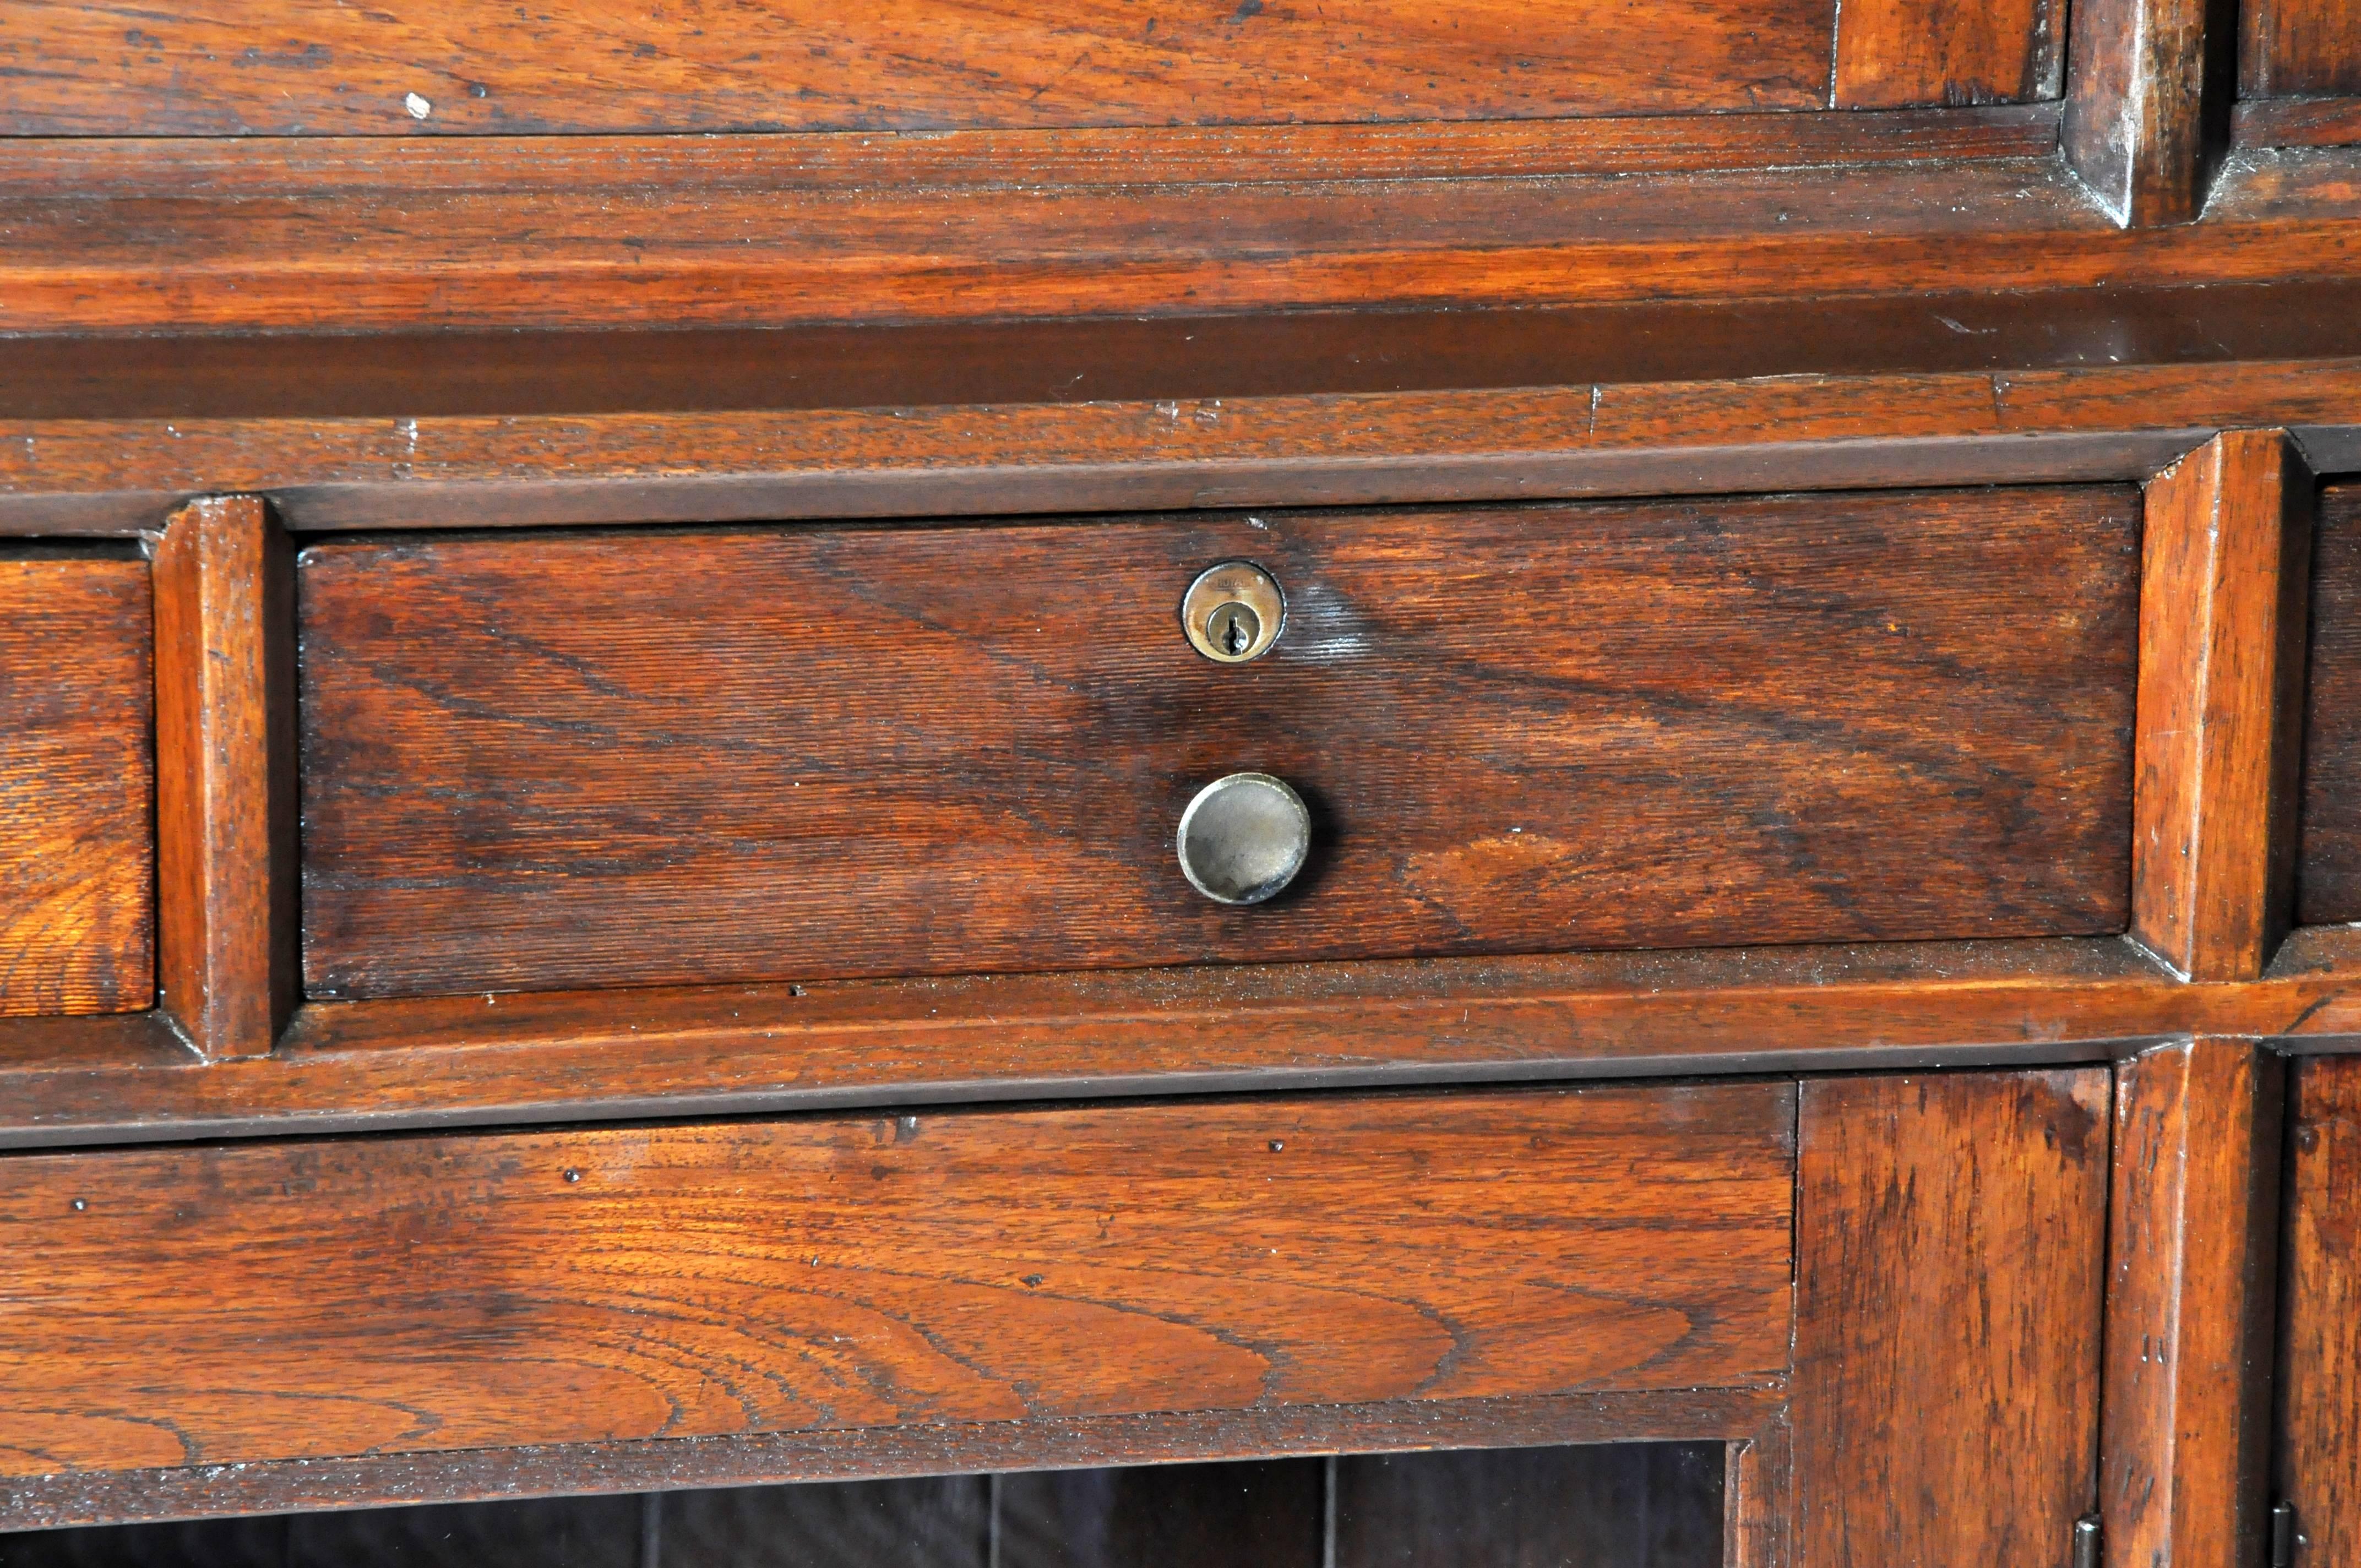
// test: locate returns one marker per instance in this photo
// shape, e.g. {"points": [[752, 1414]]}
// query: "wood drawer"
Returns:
{"points": [[644, 758], [2328, 869], [77, 783], [213, 1306]]}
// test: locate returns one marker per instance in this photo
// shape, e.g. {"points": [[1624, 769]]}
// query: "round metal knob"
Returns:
{"points": [[1243, 839]]}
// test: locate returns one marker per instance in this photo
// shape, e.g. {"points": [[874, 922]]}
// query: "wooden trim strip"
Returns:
{"points": [[2297, 122], [120, 168], [1655, 438], [228, 927], [195, 1492], [2191, 1303], [526, 1058], [2224, 584]]}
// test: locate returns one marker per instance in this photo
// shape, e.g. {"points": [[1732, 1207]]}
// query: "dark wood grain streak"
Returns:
{"points": [[226, 793], [2192, 1256], [1950, 1236], [911, 65], [2328, 877], [2224, 583], [2038, 426], [2317, 1425], [1896, 53], [300, 1301], [77, 787], [2148, 103], [948, 1448], [719, 757], [2299, 48]]}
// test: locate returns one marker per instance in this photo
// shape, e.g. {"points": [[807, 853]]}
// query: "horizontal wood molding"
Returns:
{"points": [[336, 1300], [2227, 551], [869, 1453], [1681, 438], [724, 1051], [476, 253]]}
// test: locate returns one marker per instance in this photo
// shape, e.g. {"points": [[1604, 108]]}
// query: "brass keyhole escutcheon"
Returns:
{"points": [[1233, 612]]}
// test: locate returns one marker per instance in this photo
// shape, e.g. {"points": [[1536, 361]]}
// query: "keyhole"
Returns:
{"points": [[1234, 627]]}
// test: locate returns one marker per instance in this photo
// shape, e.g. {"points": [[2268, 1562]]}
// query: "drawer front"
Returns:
{"points": [[2299, 48], [169, 1306], [300, 66], [2328, 866], [684, 758], [77, 785]]}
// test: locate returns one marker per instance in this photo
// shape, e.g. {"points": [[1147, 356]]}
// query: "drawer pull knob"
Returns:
{"points": [[1244, 838], [1233, 612]]}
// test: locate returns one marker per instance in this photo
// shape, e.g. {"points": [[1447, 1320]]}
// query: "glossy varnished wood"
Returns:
{"points": [[2192, 1244], [1892, 53], [789, 755], [77, 781], [290, 1301], [2299, 48], [2318, 1464], [913, 65], [2328, 880], [225, 792], [2227, 550], [703, 240], [2148, 103], [1950, 1237]]}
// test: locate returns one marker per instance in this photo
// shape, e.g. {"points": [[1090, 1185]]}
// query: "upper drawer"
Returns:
{"points": [[77, 784], [2299, 49], [651, 758], [292, 67]]}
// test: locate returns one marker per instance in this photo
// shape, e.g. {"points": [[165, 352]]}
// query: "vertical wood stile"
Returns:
{"points": [[2222, 605], [2150, 87], [226, 796], [1950, 1237], [2192, 1251]]}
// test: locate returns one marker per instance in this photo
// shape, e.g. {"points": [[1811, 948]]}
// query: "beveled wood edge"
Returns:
{"points": [[120, 166], [742, 1050], [120, 477], [1725, 1414]]}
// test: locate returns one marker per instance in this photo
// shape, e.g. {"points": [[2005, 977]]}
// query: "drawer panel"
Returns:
{"points": [[2328, 865], [77, 784], [2299, 48], [168, 1307], [707, 757]]}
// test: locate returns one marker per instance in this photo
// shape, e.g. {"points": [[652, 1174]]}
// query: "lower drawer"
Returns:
{"points": [[166, 1308]]}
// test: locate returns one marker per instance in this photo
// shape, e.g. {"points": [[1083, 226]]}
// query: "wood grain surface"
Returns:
{"points": [[2328, 875], [704, 241], [1897, 53], [1950, 1239], [77, 783], [224, 739], [2147, 109], [296, 67], [221, 1305], [2191, 1248], [2299, 48], [930, 751], [2319, 1402], [2224, 579]]}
